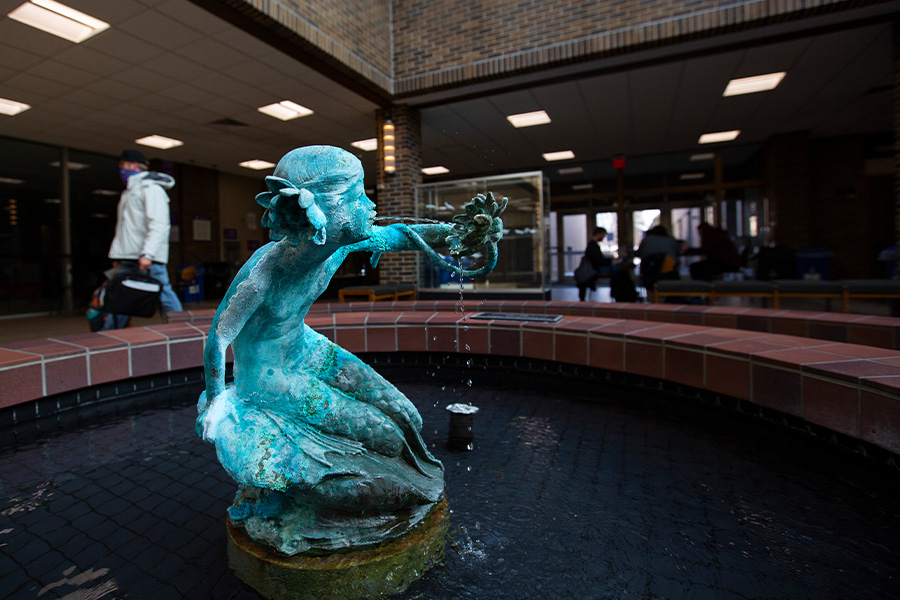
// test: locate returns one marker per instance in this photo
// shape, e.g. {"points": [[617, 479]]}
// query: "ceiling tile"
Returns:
{"points": [[119, 44], [194, 17], [88, 59], [114, 90], [158, 29], [188, 94], [17, 58], [144, 79], [175, 66], [35, 85], [211, 53], [111, 12], [63, 74]]}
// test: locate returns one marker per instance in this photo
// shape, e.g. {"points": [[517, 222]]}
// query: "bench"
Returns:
{"points": [[845, 290], [371, 293]]}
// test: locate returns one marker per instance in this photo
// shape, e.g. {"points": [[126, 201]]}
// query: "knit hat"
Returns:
{"points": [[133, 156]]}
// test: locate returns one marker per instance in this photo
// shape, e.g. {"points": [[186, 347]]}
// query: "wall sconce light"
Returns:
{"points": [[390, 158]]}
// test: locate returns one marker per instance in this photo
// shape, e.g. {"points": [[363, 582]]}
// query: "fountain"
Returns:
{"points": [[338, 495]]}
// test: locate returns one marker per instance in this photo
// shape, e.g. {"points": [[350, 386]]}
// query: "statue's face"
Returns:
{"points": [[356, 214]]}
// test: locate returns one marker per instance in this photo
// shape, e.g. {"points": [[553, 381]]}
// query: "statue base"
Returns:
{"points": [[385, 569]]}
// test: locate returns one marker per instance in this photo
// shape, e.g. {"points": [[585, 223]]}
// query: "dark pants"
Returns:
{"points": [[709, 269]]}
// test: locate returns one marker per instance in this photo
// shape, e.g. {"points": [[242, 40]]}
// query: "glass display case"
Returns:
{"points": [[522, 269]]}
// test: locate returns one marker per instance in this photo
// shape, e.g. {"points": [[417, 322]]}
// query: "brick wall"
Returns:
{"points": [[357, 33], [396, 193], [442, 42]]}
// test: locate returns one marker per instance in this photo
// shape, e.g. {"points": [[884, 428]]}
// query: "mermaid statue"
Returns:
{"points": [[327, 454]]}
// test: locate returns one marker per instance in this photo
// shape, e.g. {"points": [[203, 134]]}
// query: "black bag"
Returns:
{"points": [[585, 271], [134, 294]]}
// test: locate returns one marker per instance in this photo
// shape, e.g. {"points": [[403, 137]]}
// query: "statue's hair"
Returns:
{"points": [[303, 179]]}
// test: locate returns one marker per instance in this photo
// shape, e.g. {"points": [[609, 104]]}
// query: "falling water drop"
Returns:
{"points": [[468, 349], [469, 382]]}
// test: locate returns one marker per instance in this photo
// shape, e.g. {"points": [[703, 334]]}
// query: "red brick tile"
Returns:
{"points": [[442, 338], [858, 351], [851, 370], [628, 327], [352, 339], [728, 375], [476, 337], [381, 339], [777, 389], [879, 421], [186, 354], [644, 359], [412, 338], [44, 347], [149, 360], [788, 326], [871, 336], [796, 357], [175, 331], [136, 335], [831, 405], [388, 317], [505, 341], [65, 374], [571, 348], [91, 341], [21, 384], [350, 319], [712, 320], [744, 347], [837, 332], [684, 366], [108, 366], [538, 344], [9, 358], [319, 322], [606, 353]]}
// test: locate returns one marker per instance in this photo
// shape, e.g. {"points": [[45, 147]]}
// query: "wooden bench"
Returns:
{"points": [[844, 290], [371, 293]]}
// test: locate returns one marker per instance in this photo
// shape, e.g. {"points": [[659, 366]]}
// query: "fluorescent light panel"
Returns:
{"points": [[159, 141], [256, 164], [11, 180], [366, 145], [435, 170], [529, 119], [703, 156], [570, 170], [285, 110], [583, 186], [11, 107], [751, 85], [562, 155], [719, 136], [59, 20], [692, 176]]}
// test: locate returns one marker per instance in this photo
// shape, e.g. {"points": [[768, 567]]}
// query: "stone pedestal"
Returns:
{"points": [[373, 572]]}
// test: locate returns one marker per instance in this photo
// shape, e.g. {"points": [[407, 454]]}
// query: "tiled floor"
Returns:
{"points": [[582, 491]]}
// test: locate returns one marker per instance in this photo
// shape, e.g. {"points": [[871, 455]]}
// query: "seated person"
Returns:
{"points": [[621, 284], [722, 255], [659, 253], [601, 263]]}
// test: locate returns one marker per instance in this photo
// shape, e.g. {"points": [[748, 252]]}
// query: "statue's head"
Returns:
{"points": [[313, 195]]}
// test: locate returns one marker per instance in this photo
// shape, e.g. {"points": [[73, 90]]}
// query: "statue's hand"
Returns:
{"points": [[478, 226]]}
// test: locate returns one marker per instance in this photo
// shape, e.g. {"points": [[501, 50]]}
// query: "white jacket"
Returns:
{"points": [[143, 224]]}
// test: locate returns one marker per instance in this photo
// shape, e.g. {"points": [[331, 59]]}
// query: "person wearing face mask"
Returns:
{"points": [[141, 241]]}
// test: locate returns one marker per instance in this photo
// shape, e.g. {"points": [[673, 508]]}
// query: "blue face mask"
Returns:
{"points": [[126, 173]]}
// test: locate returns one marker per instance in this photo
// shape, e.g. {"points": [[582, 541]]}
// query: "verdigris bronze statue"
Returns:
{"points": [[327, 454]]}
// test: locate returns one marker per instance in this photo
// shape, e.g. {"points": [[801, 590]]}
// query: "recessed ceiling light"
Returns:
{"points": [[366, 145], [570, 170], [256, 164], [583, 186], [529, 119], [11, 180], [73, 166], [11, 107], [105, 192], [285, 110], [703, 156], [562, 155], [692, 176], [159, 141], [58, 19], [750, 85], [435, 170], [719, 136]]}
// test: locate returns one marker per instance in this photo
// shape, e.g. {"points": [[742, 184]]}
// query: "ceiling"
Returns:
{"points": [[168, 67]]}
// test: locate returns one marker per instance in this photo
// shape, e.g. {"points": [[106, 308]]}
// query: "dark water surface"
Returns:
{"points": [[570, 491]]}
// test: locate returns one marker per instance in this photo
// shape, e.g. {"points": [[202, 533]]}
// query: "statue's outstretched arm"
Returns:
{"points": [[478, 227]]}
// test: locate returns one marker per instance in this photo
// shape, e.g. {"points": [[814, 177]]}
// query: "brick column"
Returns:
{"points": [[397, 191]]}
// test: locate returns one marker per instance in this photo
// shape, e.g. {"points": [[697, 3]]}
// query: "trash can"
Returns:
{"points": [[190, 283], [812, 263]]}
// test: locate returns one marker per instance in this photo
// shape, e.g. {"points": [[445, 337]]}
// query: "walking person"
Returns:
{"points": [[141, 241]]}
